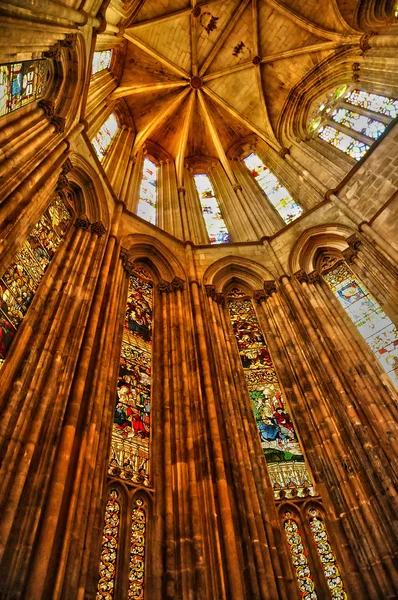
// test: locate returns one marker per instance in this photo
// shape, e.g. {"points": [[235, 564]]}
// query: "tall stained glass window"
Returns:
{"points": [[101, 61], [104, 137], [109, 548], [18, 284], [366, 313], [357, 110], [326, 555], [130, 437], [285, 460], [137, 551], [21, 83], [278, 195], [148, 192], [299, 558], [215, 225]]}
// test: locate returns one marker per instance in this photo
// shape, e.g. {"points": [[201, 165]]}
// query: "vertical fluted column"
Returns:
{"points": [[117, 160], [102, 85]]}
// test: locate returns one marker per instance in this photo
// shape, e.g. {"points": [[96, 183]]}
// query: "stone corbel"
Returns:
{"points": [[98, 228], [47, 106], [163, 287], [69, 41], [269, 288], [260, 296], [67, 167], [62, 182], [210, 290], [177, 284], [82, 222], [59, 124], [54, 53], [219, 298], [301, 276], [315, 277]]}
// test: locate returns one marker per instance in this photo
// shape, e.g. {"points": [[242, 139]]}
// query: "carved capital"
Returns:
{"points": [[284, 152], [301, 276], [59, 124], [210, 290], [98, 228], [260, 296], [163, 287], [329, 193], [364, 41], [69, 41], [55, 52], [356, 66], [82, 222], [355, 78], [237, 187], [47, 106], [123, 255], [177, 284], [350, 255], [219, 298], [67, 166], [121, 31], [256, 60], [354, 241], [181, 190], [315, 277], [62, 182], [269, 288]]}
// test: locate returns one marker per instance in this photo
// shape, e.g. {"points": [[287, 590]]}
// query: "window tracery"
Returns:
{"points": [[148, 192], [101, 61], [104, 137], [19, 282], [215, 224], [372, 323], [130, 436], [282, 451], [22, 83], [299, 557], [137, 550], [109, 548], [278, 195]]}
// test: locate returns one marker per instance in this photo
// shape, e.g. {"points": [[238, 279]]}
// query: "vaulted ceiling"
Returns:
{"points": [[198, 77]]}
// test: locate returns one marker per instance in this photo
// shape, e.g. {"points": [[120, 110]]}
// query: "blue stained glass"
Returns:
{"points": [[215, 225], [21, 83]]}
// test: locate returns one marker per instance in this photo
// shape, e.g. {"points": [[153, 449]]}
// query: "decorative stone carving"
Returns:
{"points": [[269, 288], [284, 152], [356, 66], [196, 11], [260, 296], [364, 41], [82, 222], [354, 241], [256, 60], [219, 298], [301, 276], [59, 124], [210, 290], [181, 190], [163, 287], [177, 284], [55, 52], [237, 187], [124, 254], [355, 78], [47, 106], [67, 166], [69, 41], [62, 182], [315, 277], [98, 228]]}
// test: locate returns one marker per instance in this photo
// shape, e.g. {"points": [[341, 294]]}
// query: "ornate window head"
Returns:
{"points": [[106, 134], [101, 61], [22, 83], [148, 192], [215, 224], [278, 195]]}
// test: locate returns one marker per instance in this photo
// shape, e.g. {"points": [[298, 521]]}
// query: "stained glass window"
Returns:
{"points": [[299, 558], [367, 315], [374, 102], [353, 147], [326, 555], [360, 123], [215, 225], [104, 137], [130, 438], [19, 282], [148, 192], [21, 83], [109, 548], [137, 551], [285, 460], [288, 209], [101, 61]]}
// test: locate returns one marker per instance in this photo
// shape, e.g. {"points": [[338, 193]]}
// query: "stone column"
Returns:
{"points": [[196, 224]]}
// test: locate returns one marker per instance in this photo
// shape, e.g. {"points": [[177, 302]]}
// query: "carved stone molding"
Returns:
{"points": [[47, 106], [82, 222], [210, 290], [98, 228], [356, 66], [256, 60], [181, 190], [67, 167], [354, 241], [124, 254], [260, 296], [237, 187], [163, 287], [355, 78], [177, 284], [269, 288], [62, 182], [69, 41], [315, 277], [364, 41], [59, 124], [55, 52], [284, 152], [301, 276], [219, 298]]}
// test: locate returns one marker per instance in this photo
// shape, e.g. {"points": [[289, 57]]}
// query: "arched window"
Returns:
{"points": [[299, 557], [101, 61], [19, 282], [365, 312], [278, 195], [109, 548], [104, 137], [137, 550], [282, 451], [351, 120], [130, 437], [215, 225], [148, 192], [21, 83]]}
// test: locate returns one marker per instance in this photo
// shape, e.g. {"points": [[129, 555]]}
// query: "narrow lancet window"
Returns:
{"points": [[278, 195], [130, 437], [109, 548], [299, 558], [373, 324], [137, 550], [282, 451], [102, 141], [18, 284], [377, 104], [101, 61], [148, 192], [21, 83], [215, 225]]}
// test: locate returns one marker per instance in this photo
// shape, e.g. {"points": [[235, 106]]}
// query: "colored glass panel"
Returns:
{"points": [[148, 192], [360, 123], [374, 102], [328, 560], [21, 83], [367, 315], [101, 61], [299, 558], [343, 142], [104, 137], [215, 225], [20, 281], [137, 551], [109, 548], [279, 197], [319, 112], [279, 441], [130, 438]]}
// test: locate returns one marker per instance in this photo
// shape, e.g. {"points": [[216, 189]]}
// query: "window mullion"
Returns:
{"points": [[351, 132], [366, 112]]}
